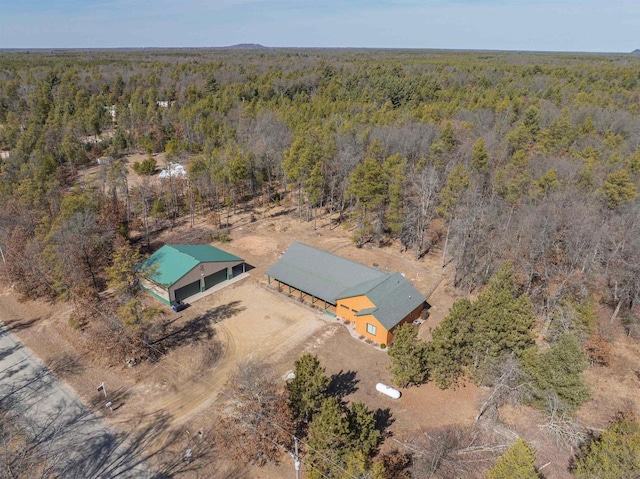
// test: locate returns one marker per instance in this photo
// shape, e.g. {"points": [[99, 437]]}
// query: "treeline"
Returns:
{"points": [[490, 157]]}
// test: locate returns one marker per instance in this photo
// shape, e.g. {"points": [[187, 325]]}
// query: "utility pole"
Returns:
{"points": [[296, 460], [4, 261]]}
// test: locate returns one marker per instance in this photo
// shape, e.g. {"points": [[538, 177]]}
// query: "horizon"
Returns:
{"points": [[259, 46], [541, 26]]}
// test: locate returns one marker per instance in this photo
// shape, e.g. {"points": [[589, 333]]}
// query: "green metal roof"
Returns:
{"points": [[172, 262], [330, 277]]}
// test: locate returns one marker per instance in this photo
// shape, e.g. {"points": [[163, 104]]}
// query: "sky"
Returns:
{"points": [[539, 25]]}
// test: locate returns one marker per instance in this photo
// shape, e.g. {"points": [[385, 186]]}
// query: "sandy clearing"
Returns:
{"points": [[263, 328]]}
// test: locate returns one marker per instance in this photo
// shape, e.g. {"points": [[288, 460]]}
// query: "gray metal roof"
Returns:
{"points": [[320, 273], [394, 298], [330, 277]]}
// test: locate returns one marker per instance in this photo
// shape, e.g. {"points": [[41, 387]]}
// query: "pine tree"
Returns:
{"points": [[122, 275], [619, 188], [394, 167], [408, 357], [457, 182], [448, 137], [559, 371], [329, 438], [615, 454], [362, 426], [475, 335], [518, 462], [307, 390], [450, 346], [479, 157]]}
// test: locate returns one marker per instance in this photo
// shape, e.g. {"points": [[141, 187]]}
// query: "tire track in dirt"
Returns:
{"points": [[273, 334]]}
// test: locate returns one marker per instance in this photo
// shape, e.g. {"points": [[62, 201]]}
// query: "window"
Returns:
{"points": [[354, 310], [371, 329], [344, 306]]}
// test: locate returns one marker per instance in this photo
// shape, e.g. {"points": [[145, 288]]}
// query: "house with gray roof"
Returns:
{"points": [[376, 302]]}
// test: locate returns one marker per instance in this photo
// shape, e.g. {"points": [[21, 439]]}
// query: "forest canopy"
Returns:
{"points": [[489, 156]]}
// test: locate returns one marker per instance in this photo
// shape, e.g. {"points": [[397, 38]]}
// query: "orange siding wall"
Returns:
{"points": [[415, 314], [381, 333], [345, 307]]}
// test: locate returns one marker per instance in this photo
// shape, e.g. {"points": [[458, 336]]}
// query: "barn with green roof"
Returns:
{"points": [[177, 272]]}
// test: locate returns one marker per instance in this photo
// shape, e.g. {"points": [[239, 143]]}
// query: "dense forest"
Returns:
{"points": [[494, 156], [522, 167]]}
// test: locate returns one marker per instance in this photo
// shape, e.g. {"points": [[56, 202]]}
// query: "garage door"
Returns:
{"points": [[188, 290], [215, 278]]}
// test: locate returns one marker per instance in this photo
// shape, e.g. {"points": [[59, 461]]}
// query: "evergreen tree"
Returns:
{"points": [[394, 167], [457, 182], [329, 438], [448, 137], [479, 157], [408, 357], [474, 335], [307, 390], [613, 455], [449, 349], [122, 275], [558, 371], [518, 462], [358, 465], [362, 426], [619, 188]]}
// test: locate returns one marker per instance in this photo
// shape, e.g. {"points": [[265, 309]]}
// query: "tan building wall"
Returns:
{"points": [[199, 272], [367, 325], [155, 289]]}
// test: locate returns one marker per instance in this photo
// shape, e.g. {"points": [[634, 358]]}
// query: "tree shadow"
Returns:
{"points": [[12, 371], [19, 325], [6, 352], [196, 330], [66, 365], [342, 384], [384, 419]]}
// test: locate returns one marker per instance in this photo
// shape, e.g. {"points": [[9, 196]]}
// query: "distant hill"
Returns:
{"points": [[246, 46], [636, 51]]}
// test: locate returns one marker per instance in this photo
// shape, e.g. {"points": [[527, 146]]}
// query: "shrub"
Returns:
{"points": [[221, 236], [146, 167], [383, 346]]}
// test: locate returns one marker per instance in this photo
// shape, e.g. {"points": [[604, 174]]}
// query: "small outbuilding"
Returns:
{"points": [[177, 272], [376, 302]]}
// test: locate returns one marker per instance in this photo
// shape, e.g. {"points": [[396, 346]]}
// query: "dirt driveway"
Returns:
{"points": [[246, 322]]}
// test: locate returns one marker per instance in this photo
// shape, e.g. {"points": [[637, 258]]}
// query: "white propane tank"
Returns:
{"points": [[388, 390]]}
